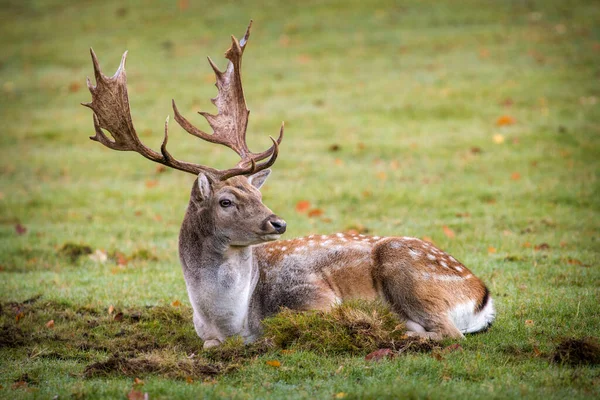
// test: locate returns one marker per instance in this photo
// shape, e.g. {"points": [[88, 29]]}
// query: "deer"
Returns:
{"points": [[236, 270]]}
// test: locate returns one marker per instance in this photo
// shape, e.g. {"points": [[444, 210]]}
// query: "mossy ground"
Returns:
{"points": [[473, 123]]}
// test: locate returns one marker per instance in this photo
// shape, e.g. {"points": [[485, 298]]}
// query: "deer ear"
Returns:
{"points": [[259, 178], [204, 186]]}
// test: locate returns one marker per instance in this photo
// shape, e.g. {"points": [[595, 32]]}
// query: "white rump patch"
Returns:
{"points": [[323, 237], [431, 257], [467, 321], [458, 268], [444, 264], [376, 238], [284, 248], [340, 235]]}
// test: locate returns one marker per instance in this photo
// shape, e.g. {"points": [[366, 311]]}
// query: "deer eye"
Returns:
{"points": [[225, 203]]}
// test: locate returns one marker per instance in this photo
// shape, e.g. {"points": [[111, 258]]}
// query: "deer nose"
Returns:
{"points": [[278, 224]]}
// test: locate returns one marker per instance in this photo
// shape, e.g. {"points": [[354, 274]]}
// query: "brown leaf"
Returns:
{"points": [[160, 169], [507, 102], [334, 147], [484, 53], [527, 245], [138, 381], [394, 165], [338, 161], [476, 150], [189, 380], [157, 218], [448, 232], [381, 176], [118, 317], [542, 246], [176, 303], [515, 176], [453, 347], [111, 309], [19, 316], [302, 206], [137, 395], [121, 258], [506, 120], [491, 250], [573, 261], [315, 212], [529, 322], [50, 324], [19, 385], [463, 215], [273, 363], [379, 355], [74, 87], [151, 183], [341, 395], [304, 58], [286, 352], [20, 229], [183, 5]]}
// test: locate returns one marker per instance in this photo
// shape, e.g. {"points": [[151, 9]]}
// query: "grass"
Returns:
{"points": [[391, 117]]}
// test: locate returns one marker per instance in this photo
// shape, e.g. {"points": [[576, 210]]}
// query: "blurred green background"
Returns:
{"points": [[474, 124]]}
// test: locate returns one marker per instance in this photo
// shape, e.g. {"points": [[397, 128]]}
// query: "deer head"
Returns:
{"points": [[228, 201]]}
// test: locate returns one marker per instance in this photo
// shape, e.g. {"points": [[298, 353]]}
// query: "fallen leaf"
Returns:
{"points": [[542, 246], [138, 381], [274, 363], [463, 215], [19, 316], [19, 385], [189, 380], [286, 352], [315, 212], [304, 58], [448, 232], [515, 176], [529, 322], [121, 258], [395, 164], [176, 303], [491, 250], [160, 169], [137, 395], [339, 161], [74, 87], [118, 317], [183, 4], [484, 53], [111, 309], [505, 120], [527, 244], [284, 40], [476, 150], [379, 355], [498, 138], [573, 261], [157, 218], [381, 176], [507, 102], [453, 347], [339, 370], [334, 147], [151, 183], [340, 395], [20, 229], [50, 324], [302, 206], [563, 243], [437, 355]]}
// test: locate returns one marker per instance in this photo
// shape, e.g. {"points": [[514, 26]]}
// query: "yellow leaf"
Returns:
{"points": [[491, 250], [498, 138], [176, 303], [111, 309], [340, 395], [274, 363], [505, 120]]}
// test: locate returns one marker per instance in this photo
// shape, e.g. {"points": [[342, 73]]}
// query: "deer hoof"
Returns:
{"points": [[211, 343]]}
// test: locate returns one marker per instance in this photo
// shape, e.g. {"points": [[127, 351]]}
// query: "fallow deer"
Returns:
{"points": [[236, 272]]}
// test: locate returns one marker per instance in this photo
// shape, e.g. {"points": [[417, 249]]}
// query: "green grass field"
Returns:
{"points": [[475, 124]]}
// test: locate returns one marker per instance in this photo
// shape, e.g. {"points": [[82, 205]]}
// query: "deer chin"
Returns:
{"points": [[270, 237]]}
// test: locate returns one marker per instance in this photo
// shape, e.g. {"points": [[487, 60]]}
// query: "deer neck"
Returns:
{"points": [[220, 279]]}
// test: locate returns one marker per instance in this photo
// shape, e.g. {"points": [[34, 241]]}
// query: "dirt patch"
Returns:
{"points": [[12, 336], [73, 251], [155, 364], [572, 351]]}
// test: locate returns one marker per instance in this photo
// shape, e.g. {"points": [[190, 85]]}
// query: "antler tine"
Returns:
{"points": [[110, 104], [230, 123]]}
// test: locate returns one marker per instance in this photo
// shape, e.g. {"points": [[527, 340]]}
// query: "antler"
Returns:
{"points": [[110, 103]]}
